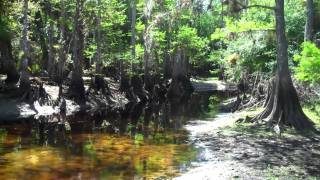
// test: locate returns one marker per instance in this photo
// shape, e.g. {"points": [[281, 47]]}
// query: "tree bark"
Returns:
{"points": [[283, 106], [7, 61], [25, 74], [133, 31], [76, 89], [308, 33], [63, 44], [50, 65], [98, 39], [147, 43], [210, 7], [43, 44]]}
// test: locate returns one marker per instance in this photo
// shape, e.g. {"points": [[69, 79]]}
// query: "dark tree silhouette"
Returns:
{"points": [[76, 89], [283, 106], [308, 33], [25, 74]]}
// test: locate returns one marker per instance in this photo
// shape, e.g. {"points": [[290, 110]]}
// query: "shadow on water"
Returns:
{"points": [[146, 140]]}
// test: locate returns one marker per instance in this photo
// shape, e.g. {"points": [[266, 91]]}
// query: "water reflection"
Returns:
{"points": [[149, 143]]}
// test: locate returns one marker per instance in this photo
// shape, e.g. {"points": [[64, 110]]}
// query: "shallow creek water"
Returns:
{"points": [[95, 149]]}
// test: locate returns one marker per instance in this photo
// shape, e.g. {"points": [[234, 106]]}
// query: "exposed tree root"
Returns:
{"points": [[283, 107], [76, 90], [36, 92], [98, 85]]}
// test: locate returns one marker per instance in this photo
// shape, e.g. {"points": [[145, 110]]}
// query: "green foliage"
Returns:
{"points": [[187, 38], [309, 63], [90, 51], [250, 52], [4, 30], [35, 68], [313, 112]]}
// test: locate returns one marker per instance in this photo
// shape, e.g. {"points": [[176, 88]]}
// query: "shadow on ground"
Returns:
{"points": [[289, 155]]}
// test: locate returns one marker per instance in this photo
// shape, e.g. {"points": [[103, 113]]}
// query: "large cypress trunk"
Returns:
{"points": [[180, 87], [76, 89], [283, 106], [7, 62]]}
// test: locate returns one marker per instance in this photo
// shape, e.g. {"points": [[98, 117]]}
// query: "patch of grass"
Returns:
{"points": [[213, 107], [248, 129], [312, 114], [285, 172]]}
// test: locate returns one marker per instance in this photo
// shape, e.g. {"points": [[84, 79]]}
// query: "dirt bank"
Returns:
{"points": [[12, 108], [242, 151]]}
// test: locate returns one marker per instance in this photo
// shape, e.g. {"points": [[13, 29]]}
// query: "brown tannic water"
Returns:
{"points": [[94, 147]]}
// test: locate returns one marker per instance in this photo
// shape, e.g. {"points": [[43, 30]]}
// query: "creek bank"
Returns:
{"points": [[125, 99], [12, 108], [228, 150]]}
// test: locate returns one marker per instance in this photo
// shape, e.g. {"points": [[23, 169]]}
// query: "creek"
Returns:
{"points": [[107, 147]]}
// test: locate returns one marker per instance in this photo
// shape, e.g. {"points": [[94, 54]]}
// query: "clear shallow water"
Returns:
{"points": [[94, 155], [33, 150]]}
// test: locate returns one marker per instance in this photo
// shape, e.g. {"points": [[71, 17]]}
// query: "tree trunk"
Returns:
{"points": [[63, 44], [7, 61], [133, 31], [147, 44], [25, 74], [308, 33], [50, 65], [98, 39], [283, 106], [222, 15], [210, 7], [180, 88], [180, 65], [77, 85], [43, 44]]}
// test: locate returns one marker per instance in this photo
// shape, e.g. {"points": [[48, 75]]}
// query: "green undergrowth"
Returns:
{"points": [[313, 112], [213, 107], [263, 130], [293, 172]]}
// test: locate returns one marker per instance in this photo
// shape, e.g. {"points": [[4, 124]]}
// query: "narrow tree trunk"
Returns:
{"points": [[308, 33], [222, 15], [25, 74], [50, 65], [133, 31], [63, 44], [210, 7], [77, 85], [43, 44], [147, 43], [284, 106], [167, 55], [98, 39]]}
